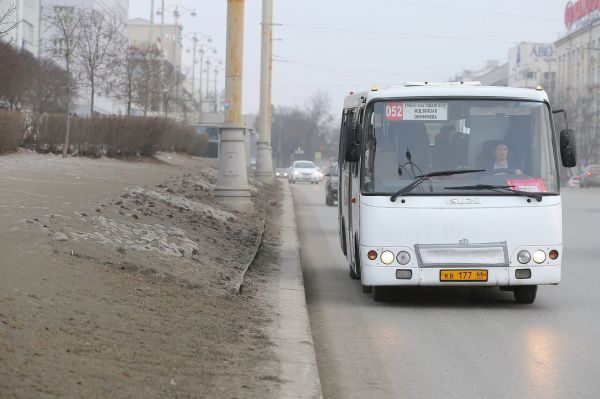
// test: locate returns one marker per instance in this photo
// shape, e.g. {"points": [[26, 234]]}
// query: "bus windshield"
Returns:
{"points": [[511, 140]]}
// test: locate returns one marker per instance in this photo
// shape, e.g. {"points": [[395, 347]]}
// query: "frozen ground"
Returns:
{"points": [[116, 280]]}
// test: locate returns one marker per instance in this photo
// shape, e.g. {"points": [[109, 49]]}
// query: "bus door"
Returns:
{"points": [[345, 186]]}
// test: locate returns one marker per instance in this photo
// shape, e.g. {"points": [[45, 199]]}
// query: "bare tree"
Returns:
{"points": [[100, 43], [65, 24], [49, 89], [147, 87], [310, 128], [7, 22], [138, 74]]}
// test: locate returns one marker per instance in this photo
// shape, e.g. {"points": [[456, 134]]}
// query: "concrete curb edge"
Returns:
{"points": [[295, 347]]}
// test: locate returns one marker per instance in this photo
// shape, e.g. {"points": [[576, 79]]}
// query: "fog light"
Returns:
{"points": [[523, 273], [403, 257], [372, 255], [387, 257], [539, 256], [523, 257], [553, 254], [403, 274]]}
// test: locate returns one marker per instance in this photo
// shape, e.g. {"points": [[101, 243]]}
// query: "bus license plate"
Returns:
{"points": [[463, 275]]}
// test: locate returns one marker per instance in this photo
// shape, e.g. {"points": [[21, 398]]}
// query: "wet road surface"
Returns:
{"points": [[454, 342]]}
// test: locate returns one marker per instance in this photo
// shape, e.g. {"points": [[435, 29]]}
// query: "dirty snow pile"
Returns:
{"points": [[140, 237]]}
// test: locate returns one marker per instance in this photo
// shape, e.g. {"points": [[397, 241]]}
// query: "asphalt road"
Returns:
{"points": [[454, 343]]}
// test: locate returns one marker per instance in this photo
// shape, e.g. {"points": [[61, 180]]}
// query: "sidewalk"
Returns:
{"points": [[294, 346]]}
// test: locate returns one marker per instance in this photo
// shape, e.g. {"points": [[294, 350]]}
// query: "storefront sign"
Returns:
{"points": [[577, 11]]}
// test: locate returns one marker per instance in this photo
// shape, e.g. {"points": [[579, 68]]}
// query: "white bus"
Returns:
{"points": [[452, 184]]}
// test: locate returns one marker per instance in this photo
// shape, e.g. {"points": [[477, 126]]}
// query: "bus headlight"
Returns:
{"points": [[539, 256], [387, 257], [403, 257], [523, 257]]}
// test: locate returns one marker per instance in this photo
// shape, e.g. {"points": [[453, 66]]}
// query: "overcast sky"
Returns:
{"points": [[341, 45]]}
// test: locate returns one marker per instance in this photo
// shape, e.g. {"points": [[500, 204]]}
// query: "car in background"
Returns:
{"points": [[281, 172], [331, 184], [574, 182], [320, 174], [590, 176], [305, 171]]}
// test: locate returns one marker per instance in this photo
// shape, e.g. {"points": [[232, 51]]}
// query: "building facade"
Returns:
{"points": [[26, 17], [531, 65], [578, 75], [167, 38]]}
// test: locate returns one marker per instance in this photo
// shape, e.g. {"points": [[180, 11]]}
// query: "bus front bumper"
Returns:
{"points": [[496, 276]]}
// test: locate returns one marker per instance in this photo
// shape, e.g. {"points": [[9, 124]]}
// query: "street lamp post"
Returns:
{"points": [[232, 180], [208, 63], [264, 157]]}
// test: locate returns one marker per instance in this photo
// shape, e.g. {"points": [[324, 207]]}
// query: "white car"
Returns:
{"points": [[305, 171]]}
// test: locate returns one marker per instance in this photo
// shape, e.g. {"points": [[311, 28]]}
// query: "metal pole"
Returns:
{"points": [[162, 53], [232, 180], [194, 69], [215, 91], [264, 160], [151, 34], [207, 81], [200, 80]]}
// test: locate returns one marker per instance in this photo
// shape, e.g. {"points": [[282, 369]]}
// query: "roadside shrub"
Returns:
{"points": [[11, 131], [118, 136]]}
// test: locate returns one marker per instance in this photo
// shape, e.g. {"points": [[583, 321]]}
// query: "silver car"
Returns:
{"points": [[305, 171]]}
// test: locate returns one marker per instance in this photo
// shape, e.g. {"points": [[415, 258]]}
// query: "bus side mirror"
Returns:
{"points": [[350, 144], [568, 149]]}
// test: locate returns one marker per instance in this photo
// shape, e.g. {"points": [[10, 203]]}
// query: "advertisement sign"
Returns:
{"points": [[580, 10]]}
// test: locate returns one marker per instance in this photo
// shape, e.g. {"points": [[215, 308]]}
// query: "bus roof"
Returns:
{"points": [[447, 91]]}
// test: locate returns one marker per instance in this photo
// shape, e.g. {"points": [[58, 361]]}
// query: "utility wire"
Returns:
{"points": [[472, 10]]}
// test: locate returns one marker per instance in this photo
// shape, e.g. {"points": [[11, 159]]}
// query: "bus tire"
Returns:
{"points": [[357, 273], [381, 293], [367, 289], [352, 273], [525, 294], [328, 199]]}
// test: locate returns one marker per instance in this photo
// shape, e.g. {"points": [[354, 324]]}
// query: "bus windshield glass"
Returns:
{"points": [[511, 140]]}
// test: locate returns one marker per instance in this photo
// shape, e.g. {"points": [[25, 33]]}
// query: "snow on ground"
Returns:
{"points": [[171, 241]]}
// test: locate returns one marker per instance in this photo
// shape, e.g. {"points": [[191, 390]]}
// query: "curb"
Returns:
{"points": [[295, 347]]}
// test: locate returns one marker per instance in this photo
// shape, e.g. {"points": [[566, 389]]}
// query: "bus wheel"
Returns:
{"points": [[328, 200], [355, 275], [381, 293], [352, 273], [525, 294], [367, 289]]}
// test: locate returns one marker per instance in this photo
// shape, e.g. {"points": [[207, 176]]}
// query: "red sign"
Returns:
{"points": [[528, 185], [575, 12], [394, 111]]}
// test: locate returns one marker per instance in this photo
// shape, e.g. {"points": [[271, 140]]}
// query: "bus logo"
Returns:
{"points": [[463, 201]]}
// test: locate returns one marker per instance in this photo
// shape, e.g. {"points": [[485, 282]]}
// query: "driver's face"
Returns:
{"points": [[501, 152]]}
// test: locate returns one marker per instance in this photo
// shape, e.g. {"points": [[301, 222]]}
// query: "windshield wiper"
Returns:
{"points": [[420, 179], [500, 189]]}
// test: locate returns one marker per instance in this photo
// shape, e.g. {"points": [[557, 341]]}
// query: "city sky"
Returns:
{"points": [[337, 46]]}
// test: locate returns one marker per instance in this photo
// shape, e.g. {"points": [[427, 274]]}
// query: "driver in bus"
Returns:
{"points": [[501, 160]]}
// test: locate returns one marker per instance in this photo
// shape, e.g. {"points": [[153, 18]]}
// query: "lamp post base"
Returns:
{"points": [[232, 180], [264, 162]]}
